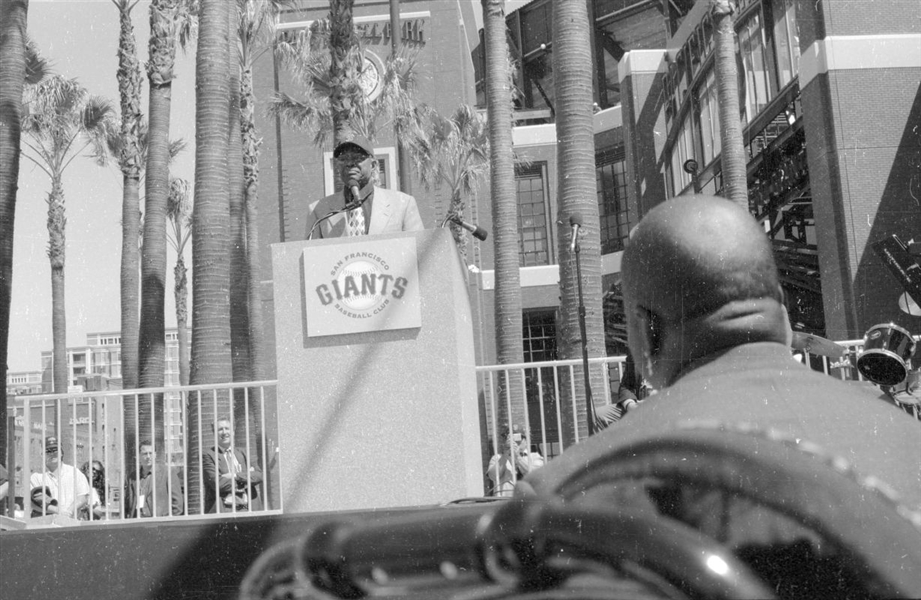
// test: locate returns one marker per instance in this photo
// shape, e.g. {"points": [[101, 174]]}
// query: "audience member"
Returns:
{"points": [[97, 480], [156, 490], [231, 483], [514, 460], [60, 488]]}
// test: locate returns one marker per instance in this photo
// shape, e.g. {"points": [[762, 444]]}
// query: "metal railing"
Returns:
{"points": [[110, 435], [152, 452]]}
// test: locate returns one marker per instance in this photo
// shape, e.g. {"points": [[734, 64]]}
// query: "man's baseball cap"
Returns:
{"points": [[51, 443], [360, 142]]}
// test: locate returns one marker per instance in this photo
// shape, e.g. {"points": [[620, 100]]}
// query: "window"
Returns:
{"points": [[709, 119], [757, 89], [786, 39], [533, 242], [682, 151], [539, 335], [611, 185], [386, 162]]}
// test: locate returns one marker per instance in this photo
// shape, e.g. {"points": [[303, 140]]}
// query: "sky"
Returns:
{"points": [[80, 37]]}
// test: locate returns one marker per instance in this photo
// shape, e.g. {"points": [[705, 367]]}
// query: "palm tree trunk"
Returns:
{"points": [[130, 280], [239, 285], [152, 348], [251, 144], [572, 80], [343, 68], [152, 339], [129, 84], [244, 413], [509, 344], [56, 250], [732, 159], [13, 17], [181, 294], [457, 208], [211, 362]]}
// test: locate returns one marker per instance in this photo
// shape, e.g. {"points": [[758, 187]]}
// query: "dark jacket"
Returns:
{"points": [[234, 494], [168, 497]]}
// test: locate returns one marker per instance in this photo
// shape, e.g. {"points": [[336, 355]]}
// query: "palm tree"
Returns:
{"points": [[308, 58], [162, 53], [344, 68], [210, 224], [509, 343], [13, 17], [256, 35], [453, 151], [179, 213], [239, 283], [732, 161], [129, 160], [59, 122], [572, 83]]}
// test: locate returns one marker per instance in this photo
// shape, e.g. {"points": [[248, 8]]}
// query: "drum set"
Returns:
{"points": [[886, 356], [885, 360]]}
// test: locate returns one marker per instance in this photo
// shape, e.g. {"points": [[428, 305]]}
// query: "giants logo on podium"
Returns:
{"points": [[368, 285]]}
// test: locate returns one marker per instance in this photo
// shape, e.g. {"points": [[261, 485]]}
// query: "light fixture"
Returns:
{"points": [[791, 118], [690, 166]]}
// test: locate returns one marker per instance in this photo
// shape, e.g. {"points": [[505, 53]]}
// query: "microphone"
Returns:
{"points": [[477, 231], [575, 221], [353, 189]]}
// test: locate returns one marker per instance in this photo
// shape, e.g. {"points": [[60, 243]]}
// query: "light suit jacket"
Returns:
{"points": [[391, 212]]}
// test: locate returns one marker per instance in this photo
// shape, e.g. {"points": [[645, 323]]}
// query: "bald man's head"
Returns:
{"points": [[690, 258], [691, 255]]}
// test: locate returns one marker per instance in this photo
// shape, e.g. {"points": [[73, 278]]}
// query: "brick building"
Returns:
{"points": [[832, 124]]}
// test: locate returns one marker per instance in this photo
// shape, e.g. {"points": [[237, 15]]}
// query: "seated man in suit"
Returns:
{"points": [[380, 210]]}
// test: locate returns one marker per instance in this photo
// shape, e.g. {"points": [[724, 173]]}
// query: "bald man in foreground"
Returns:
{"points": [[707, 326]]}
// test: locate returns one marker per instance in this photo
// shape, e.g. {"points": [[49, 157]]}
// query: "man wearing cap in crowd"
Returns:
{"points": [[60, 482], [380, 210]]}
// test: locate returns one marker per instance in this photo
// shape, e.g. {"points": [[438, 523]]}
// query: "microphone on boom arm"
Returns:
{"points": [[575, 221], [477, 231]]}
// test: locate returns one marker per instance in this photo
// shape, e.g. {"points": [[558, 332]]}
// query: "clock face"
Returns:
{"points": [[371, 80]]}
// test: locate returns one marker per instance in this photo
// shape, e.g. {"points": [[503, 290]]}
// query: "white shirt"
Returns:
{"points": [[504, 475], [66, 485]]}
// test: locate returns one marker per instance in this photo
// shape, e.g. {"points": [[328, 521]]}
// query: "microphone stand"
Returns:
{"points": [[589, 402], [346, 208]]}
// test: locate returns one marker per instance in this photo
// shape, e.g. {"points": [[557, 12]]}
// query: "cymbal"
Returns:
{"points": [[908, 305], [813, 344]]}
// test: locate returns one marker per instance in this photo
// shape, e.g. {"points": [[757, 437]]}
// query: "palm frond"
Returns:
{"points": [[187, 23], [175, 147], [297, 114], [37, 66]]}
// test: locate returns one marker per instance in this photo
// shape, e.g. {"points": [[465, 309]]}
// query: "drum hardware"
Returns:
{"points": [[813, 344], [886, 355], [840, 364]]}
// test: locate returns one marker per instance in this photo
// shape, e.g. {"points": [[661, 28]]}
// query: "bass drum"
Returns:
{"points": [[886, 355]]}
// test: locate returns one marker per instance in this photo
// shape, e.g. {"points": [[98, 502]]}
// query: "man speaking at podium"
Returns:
{"points": [[361, 208]]}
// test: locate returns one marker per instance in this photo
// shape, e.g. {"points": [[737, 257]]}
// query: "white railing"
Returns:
{"points": [[149, 452], [109, 427]]}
